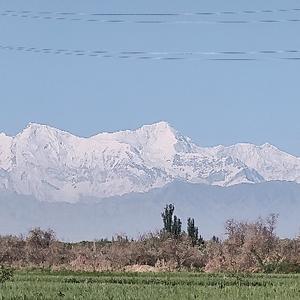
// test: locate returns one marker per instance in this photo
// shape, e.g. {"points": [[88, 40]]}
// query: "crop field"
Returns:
{"points": [[113, 286]]}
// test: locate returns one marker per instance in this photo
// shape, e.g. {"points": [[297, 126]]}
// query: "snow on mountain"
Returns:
{"points": [[54, 165], [157, 144], [161, 146], [5, 153], [267, 160]]}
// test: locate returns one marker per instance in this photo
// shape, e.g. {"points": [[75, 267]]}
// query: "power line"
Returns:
{"points": [[122, 21], [287, 54], [155, 14]]}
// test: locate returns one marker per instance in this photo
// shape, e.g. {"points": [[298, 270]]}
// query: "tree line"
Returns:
{"points": [[247, 247]]}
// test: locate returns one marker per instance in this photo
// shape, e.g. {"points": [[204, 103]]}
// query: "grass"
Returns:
{"points": [[144, 286]]}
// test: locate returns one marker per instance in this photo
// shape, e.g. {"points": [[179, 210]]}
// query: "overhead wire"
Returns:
{"points": [[159, 55], [94, 17], [287, 54], [158, 14]]}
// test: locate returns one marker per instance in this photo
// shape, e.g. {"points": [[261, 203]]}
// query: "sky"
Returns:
{"points": [[213, 102]]}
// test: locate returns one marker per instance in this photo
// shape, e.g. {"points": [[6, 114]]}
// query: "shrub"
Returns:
{"points": [[6, 274], [284, 267]]}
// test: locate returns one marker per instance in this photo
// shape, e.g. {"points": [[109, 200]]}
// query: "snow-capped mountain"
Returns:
{"points": [[53, 165]]}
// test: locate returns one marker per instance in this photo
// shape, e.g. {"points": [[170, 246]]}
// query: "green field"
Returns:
{"points": [[68, 285]]}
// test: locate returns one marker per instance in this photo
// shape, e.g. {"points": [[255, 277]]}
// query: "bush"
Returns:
{"points": [[6, 274], [282, 268]]}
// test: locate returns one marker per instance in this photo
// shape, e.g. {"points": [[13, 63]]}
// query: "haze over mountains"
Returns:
{"points": [[138, 213], [86, 188], [53, 165]]}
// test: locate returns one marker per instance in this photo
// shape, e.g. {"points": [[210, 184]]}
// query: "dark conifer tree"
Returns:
{"points": [[167, 216], [215, 239], [176, 227], [193, 233], [172, 224]]}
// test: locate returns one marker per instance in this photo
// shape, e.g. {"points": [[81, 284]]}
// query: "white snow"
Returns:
{"points": [[5, 153], [54, 165]]}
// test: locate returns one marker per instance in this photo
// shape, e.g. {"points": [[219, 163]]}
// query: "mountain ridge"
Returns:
{"points": [[52, 164]]}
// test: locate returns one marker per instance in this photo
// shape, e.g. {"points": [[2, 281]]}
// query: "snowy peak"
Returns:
{"points": [[36, 129], [40, 131], [157, 143], [267, 160], [4, 139], [159, 127], [54, 165]]}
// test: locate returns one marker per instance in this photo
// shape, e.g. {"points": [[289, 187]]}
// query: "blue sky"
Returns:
{"points": [[213, 102]]}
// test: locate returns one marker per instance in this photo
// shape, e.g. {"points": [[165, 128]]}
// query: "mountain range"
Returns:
{"points": [[110, 183], [53, 165]]}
